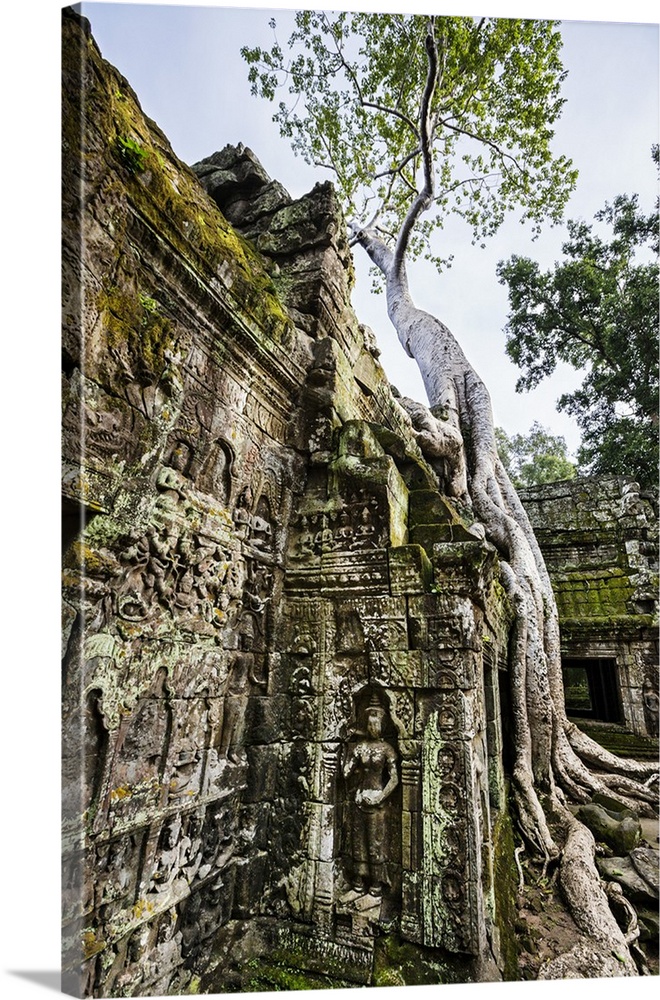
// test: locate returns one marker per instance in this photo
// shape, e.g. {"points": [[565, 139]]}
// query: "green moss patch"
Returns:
{"points": [[402, 963], [127, 160]]}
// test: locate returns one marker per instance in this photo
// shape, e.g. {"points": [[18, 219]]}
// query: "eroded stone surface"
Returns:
{"points": [[261, 561]]}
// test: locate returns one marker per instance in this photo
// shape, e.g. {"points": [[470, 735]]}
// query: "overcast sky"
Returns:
{"points": [[184, 63]]}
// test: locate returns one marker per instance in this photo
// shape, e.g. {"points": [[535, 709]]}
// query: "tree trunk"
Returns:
{"points": [[551, 755]]}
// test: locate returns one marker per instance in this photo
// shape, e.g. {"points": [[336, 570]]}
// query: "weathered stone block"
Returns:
{"points": [[262, 775], [428, 507], [465, 566], [451, 670], [320, 832], [385, 625], [364, 572], [398, 668], [622, 834], [267, 718], [327, 770], [248, 887], [348, 962], [636, 887], [411, 907], [254, 822], [410, 570], [444, 622]]}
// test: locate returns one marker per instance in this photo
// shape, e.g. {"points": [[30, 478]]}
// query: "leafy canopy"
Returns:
{"points": [[597, 311], [354, 84], [534, 458]]}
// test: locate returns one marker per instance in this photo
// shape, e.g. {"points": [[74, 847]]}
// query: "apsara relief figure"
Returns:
{"points": [[372, 775]]}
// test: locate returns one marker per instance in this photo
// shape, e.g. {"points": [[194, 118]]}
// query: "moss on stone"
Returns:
{"points": [[282, 969], [428, 507], [402, 963], [504, 893], [163, 192], [279, 976], [604, 594], [135, 322]]}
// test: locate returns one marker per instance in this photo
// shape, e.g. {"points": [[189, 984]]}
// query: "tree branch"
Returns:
{"points": [[377, 249], [391, 111], [503, 155], [425, 197], [358, 89], [399, 167], [570, 332]]}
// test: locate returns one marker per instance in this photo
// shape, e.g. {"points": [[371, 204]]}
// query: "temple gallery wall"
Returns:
{"points": [[285, 688]]}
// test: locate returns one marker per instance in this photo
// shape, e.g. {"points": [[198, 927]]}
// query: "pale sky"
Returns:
{"points": [[184, 63]]}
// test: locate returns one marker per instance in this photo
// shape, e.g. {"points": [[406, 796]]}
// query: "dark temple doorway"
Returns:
{"points": [[591, 689]]}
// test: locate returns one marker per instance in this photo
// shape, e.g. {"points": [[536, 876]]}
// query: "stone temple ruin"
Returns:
{"points": [[600, 543], [285, 651]]}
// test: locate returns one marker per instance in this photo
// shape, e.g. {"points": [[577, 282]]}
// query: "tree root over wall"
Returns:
{"points": [[554, 763]]}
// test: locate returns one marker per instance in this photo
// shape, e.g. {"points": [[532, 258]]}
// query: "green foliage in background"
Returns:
{"points": [[534, 458], [597, 311]]}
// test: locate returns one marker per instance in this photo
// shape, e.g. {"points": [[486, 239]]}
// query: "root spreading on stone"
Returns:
{"points": [[554, 762]]}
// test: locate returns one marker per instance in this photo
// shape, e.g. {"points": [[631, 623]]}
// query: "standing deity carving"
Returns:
{"points": [[241, 676], [371, 773], [136, 967], [651, 706], [243, 514]]}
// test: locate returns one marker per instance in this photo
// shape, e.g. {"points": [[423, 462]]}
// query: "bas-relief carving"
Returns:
{"points": [[382, 630], [241, 680], [236, 671], [84, 753], [202, 914], [368, 821], [292, 787], [195, 464], [651, 703], [371, 775], [190, 858], [134, 784], [353, 526], [253, 525], [258, 586], [115, 875], [185, 776], [166, 956], [185, 574], [350, 633], [173, 480], [166, 866], [127, 982], [218, 836], [262, 532], [216, 473], [112, 427]]}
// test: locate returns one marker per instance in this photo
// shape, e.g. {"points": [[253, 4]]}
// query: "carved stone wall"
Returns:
{"points": [[282, 644], [599, 538]]}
